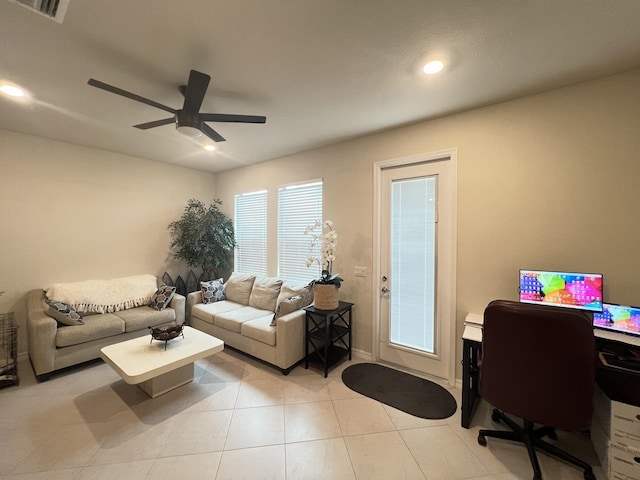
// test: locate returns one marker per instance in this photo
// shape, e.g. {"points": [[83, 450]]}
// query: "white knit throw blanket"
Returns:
{"points": [[105, 296]]}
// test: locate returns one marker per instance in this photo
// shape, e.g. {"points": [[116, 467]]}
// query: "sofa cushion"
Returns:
{"points": [[143, 317], [287, 306], [233, 320], [95, 327], [212, 291], [208, 312], [238, 288], [260, 329], [289, 290], [162, 297], [63, 313], [264, 293]]}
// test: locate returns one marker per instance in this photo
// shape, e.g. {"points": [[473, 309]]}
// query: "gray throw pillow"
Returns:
{"points": [[286, 306], [212, 291], [162, 297], [63, 313]]}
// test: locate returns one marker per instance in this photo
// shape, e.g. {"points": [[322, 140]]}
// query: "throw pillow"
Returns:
{"points": [[286, 306], [63, 313], [212, 291], [162, 297], [290, 289], [238, 288]]}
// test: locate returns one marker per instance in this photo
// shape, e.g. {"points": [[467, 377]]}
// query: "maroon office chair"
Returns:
{"points": [[538, 364]]}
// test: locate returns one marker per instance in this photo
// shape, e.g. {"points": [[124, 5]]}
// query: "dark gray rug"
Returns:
{"points": [[400, 390]]}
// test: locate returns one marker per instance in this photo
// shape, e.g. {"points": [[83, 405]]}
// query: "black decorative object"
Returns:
{"points": [[8, 350], [192, 282], [180, 286], [166, 333], [167, 280]]}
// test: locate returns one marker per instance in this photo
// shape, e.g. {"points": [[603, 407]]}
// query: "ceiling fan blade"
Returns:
{"points": [[212, 134], [223, 117], [132, 96], [196, 88], [157, 123]]}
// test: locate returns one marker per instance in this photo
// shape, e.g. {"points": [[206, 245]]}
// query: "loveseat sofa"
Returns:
{"points": [[259, 316], [83, 317]]}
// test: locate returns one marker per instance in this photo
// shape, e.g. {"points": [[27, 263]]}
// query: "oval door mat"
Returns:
{"points": [[400, 390]]}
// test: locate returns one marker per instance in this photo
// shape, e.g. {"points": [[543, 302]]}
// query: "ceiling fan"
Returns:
{"points": [[188, 120]]}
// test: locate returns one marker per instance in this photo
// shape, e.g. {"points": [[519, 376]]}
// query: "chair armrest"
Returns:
{"points": [[290, 338], [178, 303]]}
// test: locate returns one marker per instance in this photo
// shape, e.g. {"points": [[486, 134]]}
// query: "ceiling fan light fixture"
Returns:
{"points": [[189, 131], [432, 67]]}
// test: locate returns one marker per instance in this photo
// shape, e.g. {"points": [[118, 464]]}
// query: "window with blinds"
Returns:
{"points": [[251, 233], [299, 206]]}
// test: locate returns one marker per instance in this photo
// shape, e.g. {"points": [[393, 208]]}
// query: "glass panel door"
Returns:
{"points": [[417, 267]]}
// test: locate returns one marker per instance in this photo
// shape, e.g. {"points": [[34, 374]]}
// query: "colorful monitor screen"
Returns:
{"points": [[618, 318], [582, 291]]}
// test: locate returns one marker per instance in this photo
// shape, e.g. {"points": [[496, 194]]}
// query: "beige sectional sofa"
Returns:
{"points": [[121, 315], [244, 319]]}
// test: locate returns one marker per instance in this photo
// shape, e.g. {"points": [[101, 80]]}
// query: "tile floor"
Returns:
{"points": [[242, 420]]}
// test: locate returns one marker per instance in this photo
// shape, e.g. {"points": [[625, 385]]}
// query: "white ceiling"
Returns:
{"points": [[322, 71]]}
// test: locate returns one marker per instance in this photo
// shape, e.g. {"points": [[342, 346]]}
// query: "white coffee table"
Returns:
{"points": [[155, 370]]}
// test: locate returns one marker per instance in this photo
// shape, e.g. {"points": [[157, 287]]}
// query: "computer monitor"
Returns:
{"points": [[582, 291], [618, 318]]}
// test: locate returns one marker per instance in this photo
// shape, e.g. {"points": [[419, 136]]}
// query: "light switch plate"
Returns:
{"points": [[360, 271]]}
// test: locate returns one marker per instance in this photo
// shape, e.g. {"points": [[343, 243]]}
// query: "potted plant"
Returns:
{"points": [[325, 288], [203, 237]]}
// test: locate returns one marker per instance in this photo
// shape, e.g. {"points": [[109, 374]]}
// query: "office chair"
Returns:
{"points": [[538, 364]]}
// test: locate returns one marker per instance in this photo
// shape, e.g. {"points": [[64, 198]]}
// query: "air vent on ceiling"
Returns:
{"points": [[54, 9]]}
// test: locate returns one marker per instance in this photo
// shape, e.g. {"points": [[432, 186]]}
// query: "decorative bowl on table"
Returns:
{"points": [[166, 333]]}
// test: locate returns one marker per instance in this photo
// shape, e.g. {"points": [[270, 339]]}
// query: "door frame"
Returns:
{"points": [[448, 155]]}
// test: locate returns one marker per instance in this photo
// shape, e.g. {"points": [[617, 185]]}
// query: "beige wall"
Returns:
{"points": [[547, 182], [544, 182], [71, 213]]}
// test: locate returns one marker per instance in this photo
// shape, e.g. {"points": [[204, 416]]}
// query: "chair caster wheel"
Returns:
{"points": [[495, 416], [482, 440]]}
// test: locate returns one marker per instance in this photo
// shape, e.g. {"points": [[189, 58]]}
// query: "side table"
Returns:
{"points": [[327, 335]]}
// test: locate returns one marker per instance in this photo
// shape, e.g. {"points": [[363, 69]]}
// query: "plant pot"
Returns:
{"points": [[325, 297]]}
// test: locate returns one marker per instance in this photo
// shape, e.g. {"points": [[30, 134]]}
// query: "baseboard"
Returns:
{"points": [[361, 355]]}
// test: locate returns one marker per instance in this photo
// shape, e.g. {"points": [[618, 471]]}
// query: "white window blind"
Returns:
{"points": [[413, 267], [251, 233], [298, 207]]}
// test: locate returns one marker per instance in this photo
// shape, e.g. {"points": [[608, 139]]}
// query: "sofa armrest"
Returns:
{"points": [[178, 303], [290, 338], [41, 334], [193, 298]]}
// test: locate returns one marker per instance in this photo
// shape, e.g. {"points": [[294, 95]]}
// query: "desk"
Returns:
{"points": [[471, 348]]}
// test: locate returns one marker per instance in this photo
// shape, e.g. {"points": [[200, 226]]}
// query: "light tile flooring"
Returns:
{"points": [[242, 420]]}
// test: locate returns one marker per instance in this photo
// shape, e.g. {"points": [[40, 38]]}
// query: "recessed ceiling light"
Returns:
{"points": [[209, 148], [12, 91], [432, 67]]}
